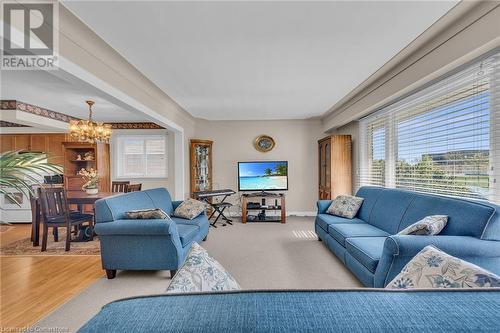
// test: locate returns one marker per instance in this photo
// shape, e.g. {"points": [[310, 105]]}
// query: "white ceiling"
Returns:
{"points": [[62, 95], [258, 60]]}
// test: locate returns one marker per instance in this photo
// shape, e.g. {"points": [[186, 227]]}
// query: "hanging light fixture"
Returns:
{"points": [[88, 130]]}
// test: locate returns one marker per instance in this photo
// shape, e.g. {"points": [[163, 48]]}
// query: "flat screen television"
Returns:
{"points": [[263, 176]]}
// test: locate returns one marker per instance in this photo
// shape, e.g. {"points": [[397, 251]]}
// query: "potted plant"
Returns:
{"points": [[91, 180], [20, 171]]}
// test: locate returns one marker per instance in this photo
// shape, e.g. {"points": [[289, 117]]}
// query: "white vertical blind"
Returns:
{"points": [[141, 156], [442, 139]]}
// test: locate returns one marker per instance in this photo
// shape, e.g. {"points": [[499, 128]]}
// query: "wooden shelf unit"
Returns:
{"points": [[335, 166], [263, 201], [74, 182]]}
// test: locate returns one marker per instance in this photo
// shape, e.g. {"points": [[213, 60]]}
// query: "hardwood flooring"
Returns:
{"points": [[33, 286]]}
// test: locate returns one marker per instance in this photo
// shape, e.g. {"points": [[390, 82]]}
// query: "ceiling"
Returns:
{"points": [[63, 95], [258, 60]]}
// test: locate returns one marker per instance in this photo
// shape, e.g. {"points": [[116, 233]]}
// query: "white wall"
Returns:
{"points": [[296, 142]]}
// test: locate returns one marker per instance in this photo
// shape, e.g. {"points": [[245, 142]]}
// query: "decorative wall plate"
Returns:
{"points": [[264, 143]]}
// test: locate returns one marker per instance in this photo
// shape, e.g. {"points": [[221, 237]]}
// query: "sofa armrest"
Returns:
{"points": [[323, 205], [458, 246], [400, 249], [176, 203], [154, 227]]}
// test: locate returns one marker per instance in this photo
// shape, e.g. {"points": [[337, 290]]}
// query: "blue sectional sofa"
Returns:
{"points": [[368, 244], [145, 244]]}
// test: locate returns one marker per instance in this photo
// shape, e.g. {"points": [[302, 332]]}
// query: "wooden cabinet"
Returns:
{"points": [[73, 164], [335, 166], [200, 165]]}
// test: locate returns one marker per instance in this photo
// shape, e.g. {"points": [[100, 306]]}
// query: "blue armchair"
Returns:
{"points": [[154, 244]]}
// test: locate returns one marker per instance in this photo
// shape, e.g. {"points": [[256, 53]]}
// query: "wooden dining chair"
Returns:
{"points": [[119, 187], [56, 214], [134, 188]]}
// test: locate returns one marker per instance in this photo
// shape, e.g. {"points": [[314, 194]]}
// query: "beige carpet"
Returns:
{"points": [[259, 255]]}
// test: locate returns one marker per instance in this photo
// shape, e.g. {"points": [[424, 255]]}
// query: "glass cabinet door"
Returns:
{"points": [[202, 167]]}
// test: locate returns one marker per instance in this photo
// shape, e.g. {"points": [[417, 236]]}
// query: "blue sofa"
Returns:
{"points": [[369, 310], [368, 244], [145, 244]]}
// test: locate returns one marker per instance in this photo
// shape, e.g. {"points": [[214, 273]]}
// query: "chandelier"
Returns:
{"points": [[88, 130]]}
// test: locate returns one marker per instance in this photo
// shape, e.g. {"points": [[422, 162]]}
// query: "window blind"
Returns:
{"points": [[141, 156], [442, 139]]}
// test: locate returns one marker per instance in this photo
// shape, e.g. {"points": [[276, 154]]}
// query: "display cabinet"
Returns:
{"points": [[201, 165], [335, 167]]}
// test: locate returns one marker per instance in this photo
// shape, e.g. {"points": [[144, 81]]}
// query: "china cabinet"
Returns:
{"points": [[201, 165]]}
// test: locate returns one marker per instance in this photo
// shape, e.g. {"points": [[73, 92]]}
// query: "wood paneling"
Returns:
{"points": [[22, 142], [55, 148], [39, 142], [335, 165], [8, 142]]}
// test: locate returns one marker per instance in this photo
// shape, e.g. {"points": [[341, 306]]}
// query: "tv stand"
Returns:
{"points": [[278, 204], [260, 194]]}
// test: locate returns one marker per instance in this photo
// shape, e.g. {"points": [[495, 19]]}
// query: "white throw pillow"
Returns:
{"points": [[201, 272], [429, 225], [190, 208], [435, 269], [345, 206]]}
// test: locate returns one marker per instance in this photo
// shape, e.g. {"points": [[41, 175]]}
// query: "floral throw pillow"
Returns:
{"points": [[147, 214], [190, 208], [201, 273], [432, 268], [429, 225], [345, 206]]}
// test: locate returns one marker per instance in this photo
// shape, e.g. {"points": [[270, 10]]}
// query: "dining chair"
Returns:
{"points": [[119, 187], [134, 188], [56, 214]]}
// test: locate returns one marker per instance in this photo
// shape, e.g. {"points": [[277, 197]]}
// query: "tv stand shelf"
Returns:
{"points": [[276, 203]]}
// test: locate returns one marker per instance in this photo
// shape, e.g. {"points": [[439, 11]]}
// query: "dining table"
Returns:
{"points": [[78, 198]]}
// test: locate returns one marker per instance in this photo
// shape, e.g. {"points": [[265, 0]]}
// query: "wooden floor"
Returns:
{"points": [[33, 286]]}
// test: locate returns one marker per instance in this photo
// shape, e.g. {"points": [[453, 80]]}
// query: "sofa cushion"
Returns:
{"points": [[370, 195], [433, 268], [324, 220], [190, 208], [465, 218], [145, 214], [345, 206], [342, 231], [201, 273], [390, 208], [187, 233], [198, 221], [161, 199], [429, 226], [116, 207], [367, 250]]}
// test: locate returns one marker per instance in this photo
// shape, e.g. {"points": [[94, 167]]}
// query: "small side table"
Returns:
{"points": [[267, 202]]}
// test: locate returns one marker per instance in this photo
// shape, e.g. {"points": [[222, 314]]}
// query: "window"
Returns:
{"points": [[141, 156], [442, 139]]}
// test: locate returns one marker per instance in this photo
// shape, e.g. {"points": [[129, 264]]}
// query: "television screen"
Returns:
{"points": [[263, 176]]}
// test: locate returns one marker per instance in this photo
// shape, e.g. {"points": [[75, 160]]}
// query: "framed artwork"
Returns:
{"points": [[264, 143]]}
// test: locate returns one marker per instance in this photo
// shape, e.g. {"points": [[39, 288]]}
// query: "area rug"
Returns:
{"points": [[23, 247], [259, 256]]}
